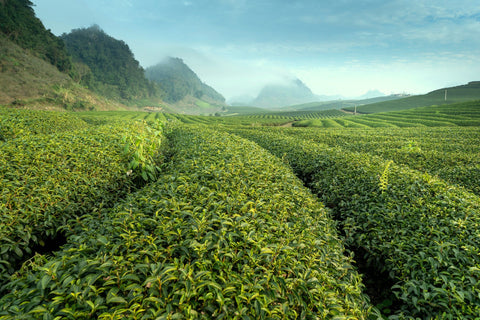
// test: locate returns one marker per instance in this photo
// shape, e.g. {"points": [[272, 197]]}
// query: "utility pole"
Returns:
{"points": [[355, 113], [445, 94]]}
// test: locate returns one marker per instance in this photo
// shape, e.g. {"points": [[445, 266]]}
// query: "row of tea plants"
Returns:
{"points": [[421, 230], [226, 231], [449, 153], [19, 122], [49, 178]]}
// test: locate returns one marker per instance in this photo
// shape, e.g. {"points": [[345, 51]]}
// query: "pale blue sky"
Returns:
{"points": [[336, 47]]}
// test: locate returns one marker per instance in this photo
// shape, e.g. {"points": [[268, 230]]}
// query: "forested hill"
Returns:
{"points": [[20, 25], [179, 81], [107, 65]]}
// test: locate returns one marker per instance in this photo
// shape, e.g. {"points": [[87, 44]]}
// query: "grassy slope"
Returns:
{"points": [[26, 80], [23, 76], [468, 92]]}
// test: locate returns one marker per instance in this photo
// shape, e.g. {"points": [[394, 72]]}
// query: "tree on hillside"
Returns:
{"points": [[115, 72], [19, 24]]}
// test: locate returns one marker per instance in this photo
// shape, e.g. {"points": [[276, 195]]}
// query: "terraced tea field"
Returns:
{"points": [[133, 215], [460, 114]]}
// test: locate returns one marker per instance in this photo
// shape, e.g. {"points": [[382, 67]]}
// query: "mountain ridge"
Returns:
{"points": [[179, 82], [107, 66]]}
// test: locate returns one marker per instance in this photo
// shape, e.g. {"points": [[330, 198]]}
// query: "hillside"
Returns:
{"points": [[24, 76], [179, 82], [35, 68], [107, 65], [463, 93], [19, 24], [29, 81], [338, 104]]}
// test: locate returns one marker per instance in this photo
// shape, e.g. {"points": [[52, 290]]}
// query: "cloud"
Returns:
{"points": [[341, 46]]}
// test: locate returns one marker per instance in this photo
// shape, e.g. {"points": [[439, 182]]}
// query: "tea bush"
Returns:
{"points": [[452, 154], [19, 122], [226, 231], [48, 179], [421, 230]]}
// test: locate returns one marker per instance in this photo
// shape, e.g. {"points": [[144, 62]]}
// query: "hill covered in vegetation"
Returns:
{"points": [[107, 65], [19, 24], [179, 81], [28, 81], [37, 71], [462, 93]]}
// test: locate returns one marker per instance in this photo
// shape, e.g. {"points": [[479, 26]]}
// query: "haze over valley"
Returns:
{"points": [[337, 49]]}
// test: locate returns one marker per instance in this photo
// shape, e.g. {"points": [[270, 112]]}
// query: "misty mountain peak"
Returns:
{"points": [[179, 81], [293, 91]]}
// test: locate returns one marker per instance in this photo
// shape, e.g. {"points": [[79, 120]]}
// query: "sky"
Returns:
{"points": [[336, 47]]}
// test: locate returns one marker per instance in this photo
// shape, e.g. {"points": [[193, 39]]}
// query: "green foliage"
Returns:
{"points": [[144, 150], [18, 23], [419, 229], [450, 153], [16, 123], [51, 178], [227, 231], [114, 71]]}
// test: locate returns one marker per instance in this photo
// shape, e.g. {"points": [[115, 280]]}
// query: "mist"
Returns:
{"points": [[231, 78], [336, 48]]}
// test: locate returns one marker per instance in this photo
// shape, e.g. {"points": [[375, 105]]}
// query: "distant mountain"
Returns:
{"points": [[371, 94], [107, 65], [179, 82], [281, 95]]}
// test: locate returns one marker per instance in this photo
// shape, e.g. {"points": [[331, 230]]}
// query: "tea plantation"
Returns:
{"points": [[133, 215]]}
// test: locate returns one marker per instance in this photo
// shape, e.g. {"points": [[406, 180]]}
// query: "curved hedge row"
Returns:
{"points": [[226, 232], [19, 122], [48, 179], [421, 230], [450, 153]]}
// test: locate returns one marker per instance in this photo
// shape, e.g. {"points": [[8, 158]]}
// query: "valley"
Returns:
{"points": [[140, 193]]}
